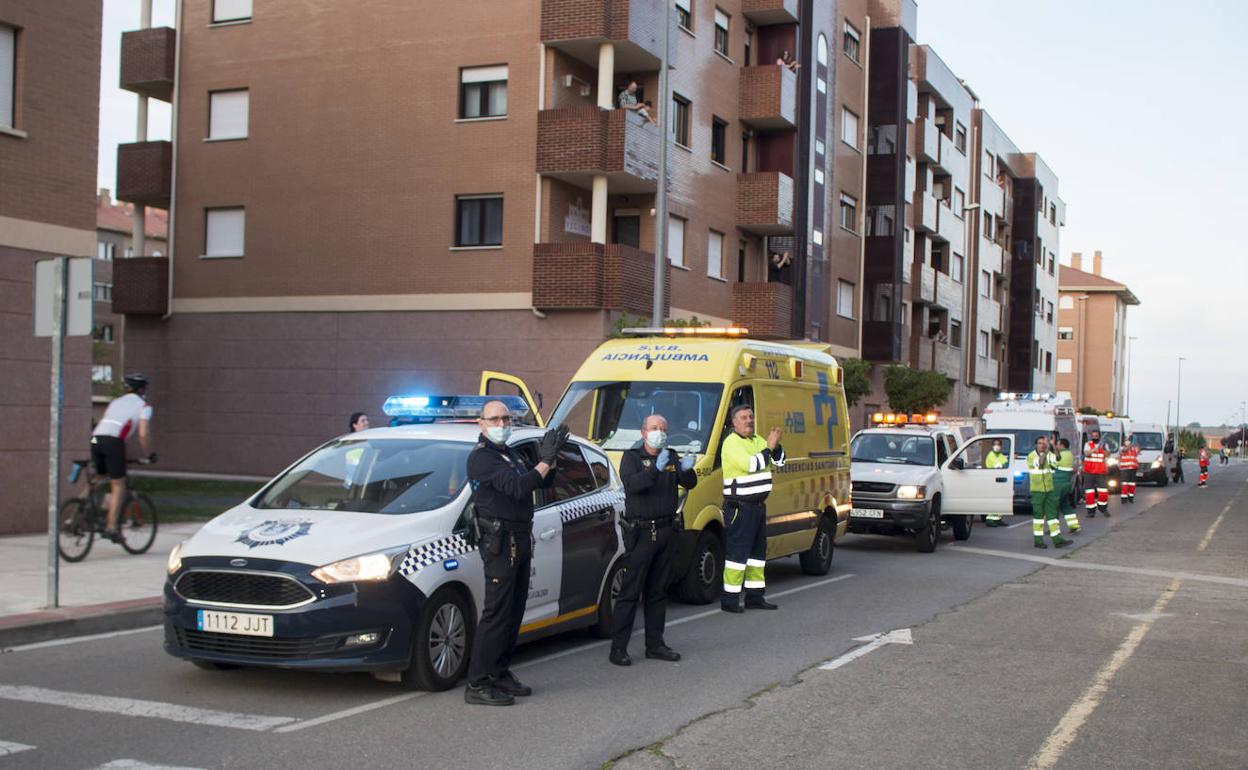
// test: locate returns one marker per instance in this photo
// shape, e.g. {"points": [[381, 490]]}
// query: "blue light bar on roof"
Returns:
{"points": [[429, 408]]}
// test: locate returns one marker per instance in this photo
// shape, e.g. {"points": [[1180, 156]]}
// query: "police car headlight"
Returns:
{"points": [[911, 492], [1113, 461], [357, 569], [175, 559]]}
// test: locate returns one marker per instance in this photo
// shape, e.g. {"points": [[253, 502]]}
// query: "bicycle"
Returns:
{"points": [[83, 517]]}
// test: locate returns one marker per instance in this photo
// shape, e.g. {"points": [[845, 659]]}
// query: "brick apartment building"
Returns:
{"points": [[365, 203], [49, 113], [1092, 336]]}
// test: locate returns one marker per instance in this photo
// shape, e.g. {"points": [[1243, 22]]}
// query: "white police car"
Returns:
{"points": [[353, 559]]}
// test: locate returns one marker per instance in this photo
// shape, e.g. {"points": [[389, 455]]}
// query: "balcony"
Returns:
{"points": [[991, 257], [921, 353], [765, 203], [988, 311], [948, 294], [986, 372], [764, 12], [924, 212], [944, 157], [144, 173], [924, 282], [768, 98], [951, 228], [141, 286], [766, 309], [947, 359], [594, 276], [927, 146], [576, 143], [147, 61], [635, 27]]}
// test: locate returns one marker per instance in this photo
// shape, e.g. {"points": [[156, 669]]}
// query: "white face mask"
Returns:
{"points": [[996, 448], [498, 433], [656, 439]]}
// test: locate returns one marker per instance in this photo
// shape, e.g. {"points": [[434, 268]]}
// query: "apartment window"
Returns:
{"points": [[990, 165], [102, 292], [103, 333], [1039, 304], [955, 333], [483, 92], [1052, 213], [680, 120], [1052, 263], [749, 44], [985, 283], [745, 153], [1066, 302], [105, 251], [845, 299], [102, 374], [1048, 362], [721, 32], [230, 10], [849, 212], [956, 265], [849, 128], [819, 147], [1048, 316], [851, 42], [715, 254], [959, 203], [684, 14], [981, 345], [1065, 332], [227, 114], [719, 141], [478, 220], [8, 76], [989, 226], [676, 241], [959, 138], [1064, 366], [223, 232]]}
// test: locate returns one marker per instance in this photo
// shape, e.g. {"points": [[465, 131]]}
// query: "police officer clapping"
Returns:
{"points": [[503, 487], [650, 472]]}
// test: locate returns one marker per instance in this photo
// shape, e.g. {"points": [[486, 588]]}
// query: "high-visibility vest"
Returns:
{"points": [[995, 459], [1129, 458], [1041, 472], [1094, 459], [747, 467], [1066, 461]]}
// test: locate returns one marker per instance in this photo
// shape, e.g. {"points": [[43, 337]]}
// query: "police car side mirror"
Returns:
{"points": [[957, 464]]}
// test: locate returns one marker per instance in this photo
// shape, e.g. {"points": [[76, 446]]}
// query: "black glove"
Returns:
{"points": [[548, 447]]}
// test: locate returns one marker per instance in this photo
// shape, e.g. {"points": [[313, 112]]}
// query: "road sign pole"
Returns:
{"points": [[60, 281]]}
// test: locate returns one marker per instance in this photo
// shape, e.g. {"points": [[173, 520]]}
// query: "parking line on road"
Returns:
{"points": [[1068, 728], [134, 764], [130, 707], [336, 715], [77, 639], [1072, 564], [8, 747]]}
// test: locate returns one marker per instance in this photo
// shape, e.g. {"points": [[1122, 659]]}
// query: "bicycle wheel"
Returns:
{"points": [[75, 533], [137, 523]]}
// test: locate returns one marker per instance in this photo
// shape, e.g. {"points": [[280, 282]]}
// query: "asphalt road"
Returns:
{"points": [[1003, 646]]}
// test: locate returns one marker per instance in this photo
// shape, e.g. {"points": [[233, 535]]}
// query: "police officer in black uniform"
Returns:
{"points": [[503, 496], [651, 473]]}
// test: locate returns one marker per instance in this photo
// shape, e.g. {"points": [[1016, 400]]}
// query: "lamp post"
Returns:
{"points": [[1127, 408], [1178, 407], [1243, 427], [660, 198], [1079, 402]]}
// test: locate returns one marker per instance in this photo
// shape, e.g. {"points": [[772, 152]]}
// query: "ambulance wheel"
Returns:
{"points": [[704, 580], [818, 559], [962, 527], [443, 638], [606, 603], [925, 538]]}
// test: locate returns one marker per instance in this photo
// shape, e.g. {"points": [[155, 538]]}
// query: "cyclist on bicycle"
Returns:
{"points": [[125, 416]]}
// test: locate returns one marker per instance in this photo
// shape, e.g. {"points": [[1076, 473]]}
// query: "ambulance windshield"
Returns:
{"points": [[611, 413], [1148, 441], [1111, 440]]}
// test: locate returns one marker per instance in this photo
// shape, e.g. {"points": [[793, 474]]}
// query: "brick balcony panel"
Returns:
{"points": [[581, 275], [765, 203], [147, 62], [141, 286], [764, 12], [635, 27], [768, 97], [144, 173], [766, 309], [576, 143]]}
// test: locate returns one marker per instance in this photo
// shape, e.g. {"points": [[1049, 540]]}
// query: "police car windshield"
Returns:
{"points": [[391, 476], [1111, 441], [893, 448], [1024, 439], [1148, 441], [611, 413]]}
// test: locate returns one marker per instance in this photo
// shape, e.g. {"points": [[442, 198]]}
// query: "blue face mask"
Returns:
{"points": [[498, 433]]}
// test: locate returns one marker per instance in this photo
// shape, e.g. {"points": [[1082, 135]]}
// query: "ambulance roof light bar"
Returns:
{"points": [[1011, 396], [686, 331], [407, 409], [901, 418]]}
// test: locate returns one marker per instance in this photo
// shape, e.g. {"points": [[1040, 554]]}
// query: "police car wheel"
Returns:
{"points": [[818, 559], [441, 643], [925, 539], [703, 582], [606, 603]]}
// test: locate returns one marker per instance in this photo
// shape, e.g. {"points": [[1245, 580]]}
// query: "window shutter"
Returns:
{"points": [[225, 229], [231, 10], [8, 70], [228, 114]]}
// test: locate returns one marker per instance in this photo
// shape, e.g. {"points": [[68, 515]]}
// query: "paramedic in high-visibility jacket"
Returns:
{"points": [[747, 460]]}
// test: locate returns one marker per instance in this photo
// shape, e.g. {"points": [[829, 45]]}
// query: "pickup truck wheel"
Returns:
{"points": [[818, 559], [962, 526], [925, 538], [704, 580]]}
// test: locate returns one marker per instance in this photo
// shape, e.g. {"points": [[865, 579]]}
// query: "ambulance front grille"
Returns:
{"points": [[242, 589]]}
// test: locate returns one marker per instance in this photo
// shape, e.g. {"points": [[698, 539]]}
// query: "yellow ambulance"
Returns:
{"points": [[693, 377]]}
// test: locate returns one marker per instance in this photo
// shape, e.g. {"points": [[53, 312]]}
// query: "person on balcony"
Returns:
{"points": [[787, 61]]}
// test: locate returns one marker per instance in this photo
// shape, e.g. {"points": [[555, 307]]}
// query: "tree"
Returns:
{"points": [[856, 377], [1191, 442], [914, 391], [1090, 410]]}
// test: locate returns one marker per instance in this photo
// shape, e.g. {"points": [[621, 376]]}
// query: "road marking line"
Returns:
{"points": [[336, 715], [1077, 715], [1072, 564], [1204, 543], [7, 748], [134, 764], [77, 639], [1022, 523], [130, 707], [874, 642]]}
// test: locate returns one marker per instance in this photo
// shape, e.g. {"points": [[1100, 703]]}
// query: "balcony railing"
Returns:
{"points": [[147, 62], [593, 276], [635, 27], [766, 309], [990, 256], [946, 359], [145, 173], [768, 97], [576, 143], [924, 212], [988, 311], [765, 203], [986, 372], [948, 294], [951, 227], [141, 286], [764, 12], [924, 282], [927, 146]]}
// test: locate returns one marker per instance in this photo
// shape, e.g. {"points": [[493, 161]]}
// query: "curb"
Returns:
{"points": [[65, 622]]}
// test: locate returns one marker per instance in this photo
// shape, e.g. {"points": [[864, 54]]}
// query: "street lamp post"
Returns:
{"points": [[660, 198], [1127, 408], [1178, 407], [1079, 402], [1243, 427]]}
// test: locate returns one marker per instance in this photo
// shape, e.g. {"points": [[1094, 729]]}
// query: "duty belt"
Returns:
{"points": [[504, 525]]}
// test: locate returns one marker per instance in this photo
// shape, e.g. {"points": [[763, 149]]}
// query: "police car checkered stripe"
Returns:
{"points": [[420, 556], [577, 509]]}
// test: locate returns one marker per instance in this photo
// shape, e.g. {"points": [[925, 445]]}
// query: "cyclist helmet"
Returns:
{"points": [[136, 381]]}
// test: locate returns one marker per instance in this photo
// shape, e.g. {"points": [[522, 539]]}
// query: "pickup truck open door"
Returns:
{"points": [[970, 488], [500, 384]]}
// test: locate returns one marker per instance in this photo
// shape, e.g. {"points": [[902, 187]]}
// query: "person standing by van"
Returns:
{"points": [[1203, 459], [748, 460], [1043, 499], [1095, 483], [995, 459], [1128, 466], [1063, 484]]}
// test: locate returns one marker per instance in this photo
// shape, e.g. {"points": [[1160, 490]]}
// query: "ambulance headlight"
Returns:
{"points": [[1156, 463], [911, 492], [175, 559], [358, 569]]}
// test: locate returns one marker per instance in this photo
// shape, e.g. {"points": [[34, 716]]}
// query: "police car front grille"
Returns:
{"points": [[879, 487], [242, 588], [270, 648]]}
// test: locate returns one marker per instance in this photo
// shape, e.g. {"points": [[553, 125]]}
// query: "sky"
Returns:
{"points": [[1138, 108]]}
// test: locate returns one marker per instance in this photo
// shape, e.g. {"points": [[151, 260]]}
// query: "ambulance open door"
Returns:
{"points": [[500, 384]]}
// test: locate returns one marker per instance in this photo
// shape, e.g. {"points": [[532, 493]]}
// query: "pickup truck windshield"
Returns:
{"points": [[892, 448], [611, 413]]}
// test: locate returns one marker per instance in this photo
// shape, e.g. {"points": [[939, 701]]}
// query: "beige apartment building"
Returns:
{"points": [[1092, 336], [49, 112]]}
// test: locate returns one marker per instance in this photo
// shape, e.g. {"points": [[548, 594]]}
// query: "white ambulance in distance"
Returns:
{"points": [[1027, 416], [1155, 462]]}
